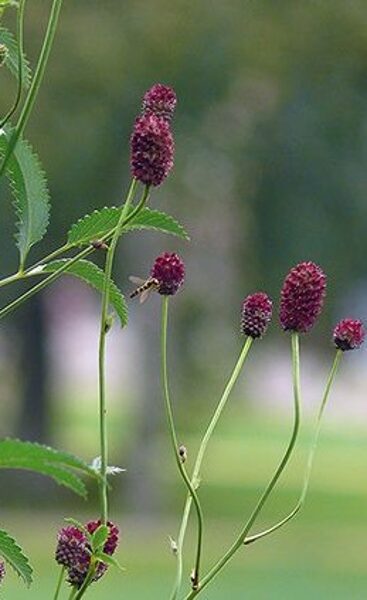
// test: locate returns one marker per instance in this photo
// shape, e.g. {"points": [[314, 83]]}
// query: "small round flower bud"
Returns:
{"points": [[183, 453], [152, 149], [349, 334], [2, 571], [302, 297], [160, 100], [4, 52], [256, 313], [169, 271]]}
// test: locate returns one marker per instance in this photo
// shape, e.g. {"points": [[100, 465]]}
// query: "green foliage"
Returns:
{"points": [[16, 454], [30, 192], [109, 560], [7, 38], [100, 222], [15, 557], [99, 538], [94, 276]]}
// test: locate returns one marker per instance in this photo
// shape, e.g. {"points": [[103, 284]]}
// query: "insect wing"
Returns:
{"points": [[137, 280], [145, 294]]}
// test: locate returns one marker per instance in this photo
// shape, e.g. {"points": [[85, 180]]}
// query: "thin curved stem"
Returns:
{"points": [[310, 460], [20, 36], [173, 435], [59, 583], [195, 479], [102, 352], [279, 470], [36, 81]]}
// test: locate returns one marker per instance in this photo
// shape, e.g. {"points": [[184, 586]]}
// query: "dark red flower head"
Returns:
{"points": [[302, 297], [160, 100], [152, 149], [348, 334], [73, 551], [2, 571], [169, 271], [256, 314]]}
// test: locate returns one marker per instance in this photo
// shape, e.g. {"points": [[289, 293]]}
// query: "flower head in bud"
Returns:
{"points": [[160, 100], [169, 271], [256, 313], [348, 334], [302, 297], [73, 551], [2, 571], [3, 54], [152, 149]]}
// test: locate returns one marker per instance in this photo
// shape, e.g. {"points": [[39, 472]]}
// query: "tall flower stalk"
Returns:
{"points": [[256, 314]]}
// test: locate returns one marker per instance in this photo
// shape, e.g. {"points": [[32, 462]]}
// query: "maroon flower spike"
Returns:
{"points": [[2, 571], [256, 314], [152, 149], [302, 297], [73, 551], [169, 271], [349, 334], [160, 100]]}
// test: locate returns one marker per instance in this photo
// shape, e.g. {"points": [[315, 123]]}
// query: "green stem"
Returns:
{"points": [[195, 479], [102, 346], [310, 460], [87, 581], [175, 445], [20, 36], [279, 470], [36, 81], [59, 583]]}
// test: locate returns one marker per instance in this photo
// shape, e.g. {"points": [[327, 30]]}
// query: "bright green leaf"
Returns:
{"points": [[7, 38], [14, 556], [109, 560], [15, 454], [99, 537], [100, 222], [30, 193], [90, 273]]}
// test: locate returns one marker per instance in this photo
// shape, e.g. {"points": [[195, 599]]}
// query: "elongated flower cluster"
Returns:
{"points": [[152, 145], [169, 271], [349, 334], [73, 551], [2, 571], [256, 313], [302, 297], [160, 100]]}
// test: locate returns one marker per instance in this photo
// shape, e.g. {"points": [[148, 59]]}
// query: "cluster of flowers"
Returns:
{"points": [[301, 301], [152, 145], [302, 298], [73, 551]]}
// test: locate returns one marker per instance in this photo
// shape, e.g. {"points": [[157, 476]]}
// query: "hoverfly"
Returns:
{"points": [[145, 287]]}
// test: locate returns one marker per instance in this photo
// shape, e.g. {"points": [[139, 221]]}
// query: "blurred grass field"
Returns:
{"points": [[321, 555]]}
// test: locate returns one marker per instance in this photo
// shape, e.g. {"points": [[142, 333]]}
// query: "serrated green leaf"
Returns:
{"points": [[15, 454], [100, 222], [90, 273], [11, 62], [99, 537], [30, 193], [15, 557]]}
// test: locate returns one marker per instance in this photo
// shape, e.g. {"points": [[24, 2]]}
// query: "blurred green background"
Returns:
{"points": [[270, 169]]}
